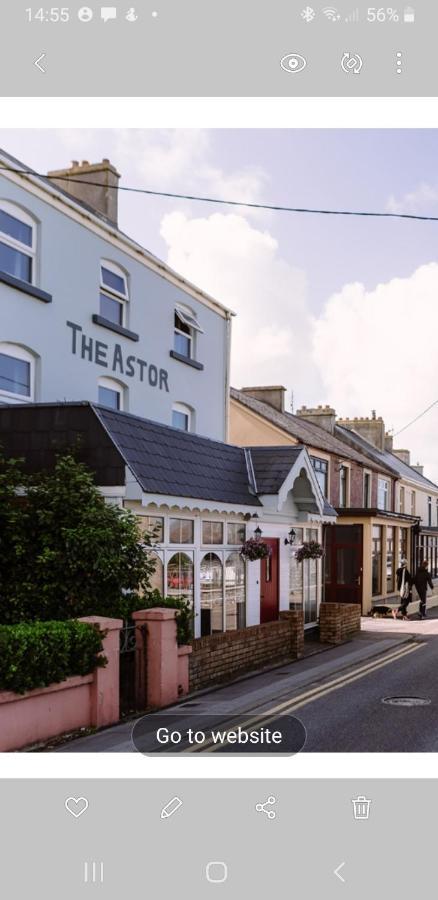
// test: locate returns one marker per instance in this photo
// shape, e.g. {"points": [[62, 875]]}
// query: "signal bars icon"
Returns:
{"points": [[353, 16]]}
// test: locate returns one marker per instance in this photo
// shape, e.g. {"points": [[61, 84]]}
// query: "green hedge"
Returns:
{"points": [[34, 655]]}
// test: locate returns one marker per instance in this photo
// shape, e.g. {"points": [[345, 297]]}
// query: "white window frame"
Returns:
{"points": [[17, 352], [113, 385], [186, 411], [347, 485], [188, 318], [367, 500], [18, 213], [383, 481], [112, 293]]}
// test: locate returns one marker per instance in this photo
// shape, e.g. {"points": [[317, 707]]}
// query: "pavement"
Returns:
{"points": [[258, 692]]}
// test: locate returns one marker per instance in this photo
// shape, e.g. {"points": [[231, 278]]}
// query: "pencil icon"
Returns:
{"points": [[171, 808]]}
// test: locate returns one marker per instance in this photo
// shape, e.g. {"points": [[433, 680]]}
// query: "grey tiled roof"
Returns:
{"points": [[385, 457], [303, 431], [272, 466], [166, 460]]}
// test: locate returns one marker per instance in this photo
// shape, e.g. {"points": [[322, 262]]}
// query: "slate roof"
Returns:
{"points": [[162, 459], [305, 432], [165, 460], [390, 460]]}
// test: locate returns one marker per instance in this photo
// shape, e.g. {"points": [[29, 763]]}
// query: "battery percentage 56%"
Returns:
{"points": [[382, 14]]}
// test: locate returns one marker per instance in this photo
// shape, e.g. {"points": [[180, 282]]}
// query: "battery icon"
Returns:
{"points": [[409, 14]]}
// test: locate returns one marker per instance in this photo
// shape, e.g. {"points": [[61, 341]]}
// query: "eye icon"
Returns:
{"points": [[293, 62]]}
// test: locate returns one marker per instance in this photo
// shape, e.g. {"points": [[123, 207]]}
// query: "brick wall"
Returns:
{"points": [[220, 657], [338, 622], [356, 486]]}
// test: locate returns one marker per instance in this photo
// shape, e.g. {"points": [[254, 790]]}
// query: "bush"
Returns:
{"points": [[34, 655], [64, 551], [184, 618]]}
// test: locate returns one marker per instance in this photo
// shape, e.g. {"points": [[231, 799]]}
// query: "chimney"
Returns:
{"points": [[404, 455], [418, 468], [373, 430], [389, 442], [271, 395], [95, 184], [323, 416]]}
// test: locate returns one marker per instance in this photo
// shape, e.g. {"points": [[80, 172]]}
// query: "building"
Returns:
{"points": [[89, 314], [203, 497], [415, 495], [363, 548]]}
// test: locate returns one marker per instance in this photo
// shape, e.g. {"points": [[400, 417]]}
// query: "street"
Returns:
{"points": [[337, 695]]}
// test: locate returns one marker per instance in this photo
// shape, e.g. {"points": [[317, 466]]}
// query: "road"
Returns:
{"points": [[337, 695]]}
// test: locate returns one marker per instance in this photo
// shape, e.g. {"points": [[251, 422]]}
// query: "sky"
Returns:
{"points": [[340, 310]]}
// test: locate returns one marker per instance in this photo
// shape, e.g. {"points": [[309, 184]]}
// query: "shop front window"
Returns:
{"points": [[390, 558], [235, 592], [376, 560], [235, 533], [212, 620], [296, 572], [212, 533], [181, 531], [403, 544], [154, 526], [157, 579], [180, 576]]}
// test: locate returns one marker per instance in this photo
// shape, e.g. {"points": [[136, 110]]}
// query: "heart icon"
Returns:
{"points": [[76, 806]]}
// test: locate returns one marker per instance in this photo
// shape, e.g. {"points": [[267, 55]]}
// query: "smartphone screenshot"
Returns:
{"points": [[218, 464]]}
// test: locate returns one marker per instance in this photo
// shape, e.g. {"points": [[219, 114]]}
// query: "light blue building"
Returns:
{"points": [[88, 314]]}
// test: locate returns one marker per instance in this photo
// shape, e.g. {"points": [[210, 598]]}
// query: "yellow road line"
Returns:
{"points": [[314, 694]]}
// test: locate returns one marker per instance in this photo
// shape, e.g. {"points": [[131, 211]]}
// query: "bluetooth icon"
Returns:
{"points": [[308, 14]]}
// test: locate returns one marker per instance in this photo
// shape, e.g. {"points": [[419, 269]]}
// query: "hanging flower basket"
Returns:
{"points": [[309, 550], [253, 549]]}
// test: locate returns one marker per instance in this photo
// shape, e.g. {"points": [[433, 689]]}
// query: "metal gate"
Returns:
{"points": [[132, 668]]}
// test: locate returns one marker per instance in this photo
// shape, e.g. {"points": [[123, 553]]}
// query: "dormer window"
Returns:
{"points": [[17, 243], [186, 325], [113, 293]]}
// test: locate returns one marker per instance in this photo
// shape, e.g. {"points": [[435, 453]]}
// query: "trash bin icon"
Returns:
{"points": [[361, 808]]}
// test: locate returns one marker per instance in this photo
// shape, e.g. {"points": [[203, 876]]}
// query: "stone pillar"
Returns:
{"points": [[105, 689], [141, 680], [162, 657]]}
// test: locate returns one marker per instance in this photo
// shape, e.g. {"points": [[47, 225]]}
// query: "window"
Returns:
{"points": [[343, 486], [236, 533], [185, 327], [390, 558], [429, 511], [181, 417], [180, 576], [321, 471], [157, 579], [235, 592], [376, 560], [181, 531], [113, 293], [110, 393], [296, 572], [382, 494], [403, 545], [211, 594], [367, 490], [413, 503], [17, 243], [17, 367], [212, 533], [154, 525], [402, 499]]}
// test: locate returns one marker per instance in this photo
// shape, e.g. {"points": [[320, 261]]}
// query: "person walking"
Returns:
{"points": [[422, 580], [404, 587]]}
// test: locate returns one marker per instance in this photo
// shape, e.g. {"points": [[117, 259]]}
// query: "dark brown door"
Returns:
{"points": [[343, 564], [269, 583]]}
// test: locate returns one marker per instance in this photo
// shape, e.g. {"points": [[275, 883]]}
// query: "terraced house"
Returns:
{"points": [[105, 348], [362, 482]]}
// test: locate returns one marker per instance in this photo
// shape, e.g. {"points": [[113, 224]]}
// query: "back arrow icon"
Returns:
{"points": [[38, 62], [337, 872]]}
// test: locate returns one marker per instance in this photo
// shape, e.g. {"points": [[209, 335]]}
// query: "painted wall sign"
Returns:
{"points": [[115, 360]]}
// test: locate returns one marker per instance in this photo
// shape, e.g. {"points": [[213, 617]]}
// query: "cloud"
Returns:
{"points": [[240, 265], [421, 201], [375, 350]]}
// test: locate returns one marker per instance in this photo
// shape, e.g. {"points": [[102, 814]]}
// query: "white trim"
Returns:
{"points": [[67, 205], [302, 462], [17, 212], [15, 351], [190, 504]]}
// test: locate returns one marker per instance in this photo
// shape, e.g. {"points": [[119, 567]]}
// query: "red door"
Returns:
{"points": [[269, 583], [343, 563]]}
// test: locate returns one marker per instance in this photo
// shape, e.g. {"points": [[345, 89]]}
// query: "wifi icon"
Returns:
{"points": [[331, 13]]}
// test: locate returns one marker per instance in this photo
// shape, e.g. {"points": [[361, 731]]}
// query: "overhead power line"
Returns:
{"points": [[420, 416], [271, 207]]}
